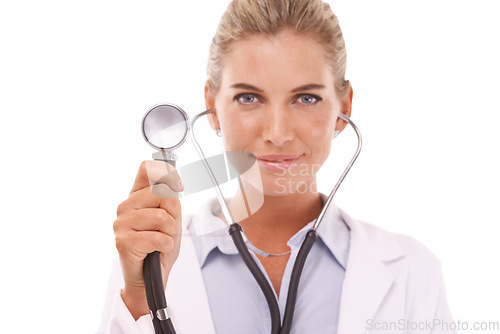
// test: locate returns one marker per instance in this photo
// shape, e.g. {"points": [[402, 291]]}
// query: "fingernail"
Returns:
{"points": [[180, 185]]}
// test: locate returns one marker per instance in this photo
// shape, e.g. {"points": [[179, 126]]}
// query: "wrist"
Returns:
{"points": [[136, 302]]}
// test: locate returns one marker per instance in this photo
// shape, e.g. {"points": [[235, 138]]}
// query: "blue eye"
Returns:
{"points": [[309, 99], [246, 98]]}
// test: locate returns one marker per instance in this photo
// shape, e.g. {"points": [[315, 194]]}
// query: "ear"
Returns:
{"points": [[210, 104], [345, 106]]}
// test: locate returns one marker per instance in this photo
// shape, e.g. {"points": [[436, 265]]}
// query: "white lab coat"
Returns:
{"points": [[392, 284]]}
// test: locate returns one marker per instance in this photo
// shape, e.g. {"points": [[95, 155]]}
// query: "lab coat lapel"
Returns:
{"points": [[367, 278], [186, 295]]}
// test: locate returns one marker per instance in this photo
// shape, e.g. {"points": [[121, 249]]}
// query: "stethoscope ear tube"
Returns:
{"points": [[306, 246], [276, 327], [235, 232]]}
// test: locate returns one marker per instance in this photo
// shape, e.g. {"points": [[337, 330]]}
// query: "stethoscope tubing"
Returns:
{"points": [[344, 173], [155, 293], [293, 288], [236, 234]]}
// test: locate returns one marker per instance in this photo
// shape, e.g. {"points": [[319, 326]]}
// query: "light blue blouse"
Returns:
{"points": [[236, 302]]}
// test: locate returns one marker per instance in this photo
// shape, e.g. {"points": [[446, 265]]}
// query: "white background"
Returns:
{"points": [[76, 78]]}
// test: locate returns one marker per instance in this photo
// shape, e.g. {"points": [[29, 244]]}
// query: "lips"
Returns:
{"points": [[277, 162]]}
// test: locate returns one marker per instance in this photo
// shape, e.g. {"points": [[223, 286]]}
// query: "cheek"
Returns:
{"points": [[319, 127], [323, 152], [318, 134], [319, 144], [237, 131]]}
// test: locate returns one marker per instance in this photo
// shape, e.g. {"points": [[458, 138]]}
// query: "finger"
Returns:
{"points": [[144, 198], [161, 190], [173, 207], [149, 219], [139, 199], [157, 172], [140, 244]]}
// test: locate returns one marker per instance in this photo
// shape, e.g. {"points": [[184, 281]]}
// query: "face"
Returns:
{"points": [[277, 101]]}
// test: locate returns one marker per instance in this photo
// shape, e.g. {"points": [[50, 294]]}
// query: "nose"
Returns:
{"points": [[278, 126]]}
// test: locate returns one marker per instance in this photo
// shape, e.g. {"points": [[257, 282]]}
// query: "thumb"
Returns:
{"points": [[164, 179]]}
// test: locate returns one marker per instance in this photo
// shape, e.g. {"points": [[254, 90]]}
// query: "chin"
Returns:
{"points": [[256, 180], [284, 186]]}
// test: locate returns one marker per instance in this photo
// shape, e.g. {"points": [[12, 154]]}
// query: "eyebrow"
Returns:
{"points": [[295, 90], [246, 86], [307, 87]]}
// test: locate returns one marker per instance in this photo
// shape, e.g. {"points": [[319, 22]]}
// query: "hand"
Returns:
{"points": [[149, 220]]}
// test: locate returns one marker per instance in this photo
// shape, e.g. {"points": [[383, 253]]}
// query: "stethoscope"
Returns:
{"points": [[165, 127]]}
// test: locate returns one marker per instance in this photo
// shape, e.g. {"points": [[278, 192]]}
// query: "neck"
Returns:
{"points": [[278, 218]]}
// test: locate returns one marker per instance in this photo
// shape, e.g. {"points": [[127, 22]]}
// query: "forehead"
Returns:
{"points": [[286, 60]]}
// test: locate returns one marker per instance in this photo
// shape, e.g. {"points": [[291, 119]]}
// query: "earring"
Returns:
{"points": [[336, 133], [217, 132]]}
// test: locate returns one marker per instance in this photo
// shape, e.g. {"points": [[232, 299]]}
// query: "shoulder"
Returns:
{"points": [[390, 246], [410, 262], [414, 272]]}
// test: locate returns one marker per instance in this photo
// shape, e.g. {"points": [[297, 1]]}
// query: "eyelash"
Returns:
{"points": [[255, 96], [239, 96], [315, 97]]}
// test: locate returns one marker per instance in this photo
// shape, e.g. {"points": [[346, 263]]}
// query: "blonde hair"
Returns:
{"points": [[309, 17]]}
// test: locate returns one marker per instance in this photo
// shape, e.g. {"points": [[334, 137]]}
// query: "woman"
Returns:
{"points": [[276, 86]]}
